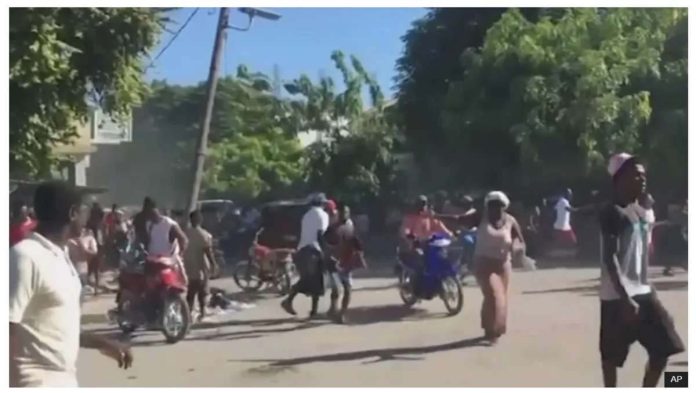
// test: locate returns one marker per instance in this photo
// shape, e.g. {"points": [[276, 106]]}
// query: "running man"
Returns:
{"points": [[630, 309]]}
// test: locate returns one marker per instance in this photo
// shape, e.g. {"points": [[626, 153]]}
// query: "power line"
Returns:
{"points": [[174, 37]]}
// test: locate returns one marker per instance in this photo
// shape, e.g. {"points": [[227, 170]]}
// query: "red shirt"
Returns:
{"points": [[110, 223], [20, 230]]}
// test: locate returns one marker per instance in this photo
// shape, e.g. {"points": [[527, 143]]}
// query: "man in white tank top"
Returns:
{"points": [[165, 237]]}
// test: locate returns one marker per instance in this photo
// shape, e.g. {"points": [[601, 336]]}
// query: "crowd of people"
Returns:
{"points": [[56, 247]]}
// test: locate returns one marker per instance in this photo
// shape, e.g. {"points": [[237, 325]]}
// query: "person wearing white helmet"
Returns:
{"points": [[630, 309], [492, 262]]}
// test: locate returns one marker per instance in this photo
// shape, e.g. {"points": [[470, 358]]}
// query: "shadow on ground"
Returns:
{"points": [[380, 355], [376, 288], [211, 331], [593, 290], [383, 313], [217, 335]]}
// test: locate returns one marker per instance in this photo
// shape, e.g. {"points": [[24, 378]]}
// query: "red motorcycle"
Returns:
{"points": [[151, 294]]}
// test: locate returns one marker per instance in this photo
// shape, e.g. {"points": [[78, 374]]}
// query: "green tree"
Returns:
{"points": [[354, 159], [664, 140], [546, 102], [62, 58], [253, 143], [246, 166], [430, 62]]}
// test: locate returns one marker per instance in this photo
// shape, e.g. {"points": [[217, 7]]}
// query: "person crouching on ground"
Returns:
{"points": [[630, 309], [309, 257], [492, 262], [347, 256]]}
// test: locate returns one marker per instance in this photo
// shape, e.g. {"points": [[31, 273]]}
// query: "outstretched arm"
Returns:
{"points": [[439, 226]]}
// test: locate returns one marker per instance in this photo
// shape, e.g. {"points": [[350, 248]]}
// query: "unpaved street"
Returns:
{"points": [[552, 341]]}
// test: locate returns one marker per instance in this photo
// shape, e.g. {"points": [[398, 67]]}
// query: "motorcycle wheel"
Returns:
{"points": [[247, 276], [463, 272], [452, 295], [176, 318], [406, 289], [122, 310]]}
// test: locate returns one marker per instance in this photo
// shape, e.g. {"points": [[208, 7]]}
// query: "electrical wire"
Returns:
{"points": [[174, 37]]}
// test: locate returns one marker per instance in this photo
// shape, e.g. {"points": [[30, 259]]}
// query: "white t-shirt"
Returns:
{"points": [[314, 221], [45, 311], [562, 215], [159, 238], [649, 216], [632, 256]]}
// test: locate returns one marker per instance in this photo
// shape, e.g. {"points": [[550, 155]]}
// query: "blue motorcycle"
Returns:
{"points": [[432, 275]]}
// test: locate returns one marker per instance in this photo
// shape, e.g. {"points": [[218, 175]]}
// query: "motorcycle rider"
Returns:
{"points": [[165, 238], [416, 228], [422, 223]]}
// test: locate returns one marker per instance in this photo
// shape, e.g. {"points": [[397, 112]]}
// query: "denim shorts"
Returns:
{"points": [[336, 280]]}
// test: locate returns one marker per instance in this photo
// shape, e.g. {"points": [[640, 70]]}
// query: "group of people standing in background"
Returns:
{"points": [[96, 242]]}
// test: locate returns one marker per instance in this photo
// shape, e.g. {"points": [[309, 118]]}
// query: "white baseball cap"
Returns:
{"points": [[616, 162]]}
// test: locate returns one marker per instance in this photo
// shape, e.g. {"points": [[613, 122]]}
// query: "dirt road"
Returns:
{"points": [[552, 341]]}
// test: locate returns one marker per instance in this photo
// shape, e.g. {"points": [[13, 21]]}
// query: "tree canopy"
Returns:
{"points": [[431, 61], [64, 59], [354, 159], [254, 148], [553, 99]]}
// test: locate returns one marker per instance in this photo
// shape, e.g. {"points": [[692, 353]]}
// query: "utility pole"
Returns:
{"points": [[202, 145]]}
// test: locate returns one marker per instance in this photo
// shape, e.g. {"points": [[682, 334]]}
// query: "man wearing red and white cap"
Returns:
{"points": [[630, 309]]}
